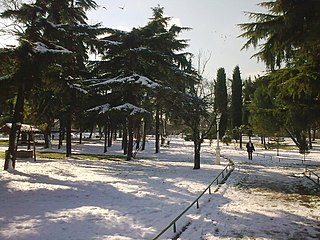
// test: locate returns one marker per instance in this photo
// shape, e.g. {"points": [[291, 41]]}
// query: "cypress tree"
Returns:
{"points": [[221, 100], [236, 98]]}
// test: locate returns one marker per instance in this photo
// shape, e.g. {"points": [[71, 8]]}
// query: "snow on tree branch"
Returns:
{"points": [[77, 87], [101, 108], [40, 47], [133, 79], [128, 107]]}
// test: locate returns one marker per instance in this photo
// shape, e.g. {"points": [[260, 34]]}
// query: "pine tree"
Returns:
{"points": [[288, 40], [47, 30], [141, 66]]}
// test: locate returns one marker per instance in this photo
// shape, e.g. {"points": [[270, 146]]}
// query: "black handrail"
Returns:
{"points": [[230, 165], [309, 174]]}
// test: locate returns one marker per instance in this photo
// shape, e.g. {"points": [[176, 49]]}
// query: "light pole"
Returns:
{"points": [[218, 138]]}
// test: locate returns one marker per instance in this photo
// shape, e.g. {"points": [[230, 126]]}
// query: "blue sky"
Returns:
{"points": [[213, 23]]}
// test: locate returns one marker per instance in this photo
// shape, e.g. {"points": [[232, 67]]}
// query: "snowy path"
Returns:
{"points": [[260, 201]]}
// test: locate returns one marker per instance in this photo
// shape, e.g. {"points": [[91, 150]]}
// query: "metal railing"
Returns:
{"points": [[281, 157], [222, 176], [312, 176]]}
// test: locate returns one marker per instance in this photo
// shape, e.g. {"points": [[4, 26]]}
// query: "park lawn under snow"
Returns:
{"points": [[99, 199]]}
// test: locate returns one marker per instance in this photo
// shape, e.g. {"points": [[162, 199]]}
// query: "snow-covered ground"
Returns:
{"points": [[99, 199]]}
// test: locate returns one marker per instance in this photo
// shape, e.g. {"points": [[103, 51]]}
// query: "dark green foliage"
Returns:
{"points": [[221, 99], [50, 57], [236, 98], [288, 38]]}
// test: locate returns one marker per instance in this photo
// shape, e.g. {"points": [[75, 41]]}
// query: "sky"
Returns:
{"points": [[214, 32], [87, 199], [214, 28]]}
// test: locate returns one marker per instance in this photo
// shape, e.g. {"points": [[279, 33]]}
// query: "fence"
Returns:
{"points": [[222, 175], [281, 157], [312, 176]]}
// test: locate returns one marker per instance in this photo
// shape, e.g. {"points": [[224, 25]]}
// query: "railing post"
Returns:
{"points": [[197, 203], [209, 190], [174, 227]]}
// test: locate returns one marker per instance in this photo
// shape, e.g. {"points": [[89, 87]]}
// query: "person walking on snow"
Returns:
{"points": [[250, 149]]}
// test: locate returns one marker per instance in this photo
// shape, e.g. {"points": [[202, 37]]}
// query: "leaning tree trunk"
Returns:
{"points": [[10, 156]]}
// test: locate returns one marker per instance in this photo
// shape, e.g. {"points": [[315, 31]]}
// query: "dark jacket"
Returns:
{"points": [[250, 147]]}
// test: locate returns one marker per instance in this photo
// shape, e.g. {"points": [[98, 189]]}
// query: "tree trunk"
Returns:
{"points": [[310, 138], [197, 148], [68, 132], [61, 133], [157, 142], [125, 139], [105, 149], [138, 138], [144, 138], [264, 143], [109, 135], [47, 136], [10, 156], [80, 133], [130, 142]]}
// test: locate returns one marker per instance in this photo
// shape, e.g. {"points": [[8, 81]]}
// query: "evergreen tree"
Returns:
{"points": [[236, 104], [140, 66], [221, 100], [49, 30], [236, 98], [290, 38]]}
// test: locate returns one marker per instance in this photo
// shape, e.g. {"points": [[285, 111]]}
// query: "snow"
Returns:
{"points": [[128, 107], [97, 199], [134, 79], [101, 108], [77, 87], [24, 127], [6, 77], [40, 47], [115, 43]]}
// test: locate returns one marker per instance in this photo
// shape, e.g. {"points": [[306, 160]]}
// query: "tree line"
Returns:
{"points": [[140, 81], [143, 79]]}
